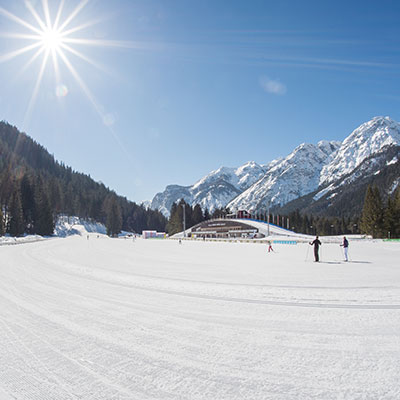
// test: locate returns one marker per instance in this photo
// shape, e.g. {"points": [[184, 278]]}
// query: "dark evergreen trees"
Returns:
{"points": [[16, 219], [28, 203], [193, 215], [114, 217], [175, 222], [371, 222], [396, 201], [392, 216], [389, 218], [220, 212], [2, 227], [197, 215], [44, 221], [48, 188]]}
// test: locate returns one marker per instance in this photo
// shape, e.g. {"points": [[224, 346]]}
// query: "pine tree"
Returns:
{"points": [[28, 203], [2, 227], [390, 218], [396, 213], [187, 209], [197, 215], [372, 214], [114, 218], [175, 222], [16, 221], [44, 222]]}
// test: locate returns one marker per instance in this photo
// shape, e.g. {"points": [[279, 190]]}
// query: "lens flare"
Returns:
{"points": [[61, 90]]}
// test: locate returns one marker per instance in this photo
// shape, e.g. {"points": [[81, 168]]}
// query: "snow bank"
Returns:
{"points": [[67, 226], [8, 240]]}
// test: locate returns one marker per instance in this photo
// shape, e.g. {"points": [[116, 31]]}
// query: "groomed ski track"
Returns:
{"points": [[117, 319]]}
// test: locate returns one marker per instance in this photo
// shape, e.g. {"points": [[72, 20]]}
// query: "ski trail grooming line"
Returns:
{"points": [[40, 362]]}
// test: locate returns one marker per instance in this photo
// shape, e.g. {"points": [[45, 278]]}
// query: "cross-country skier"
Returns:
{"points": [[345, 245], [269, 246], [316, 243]]}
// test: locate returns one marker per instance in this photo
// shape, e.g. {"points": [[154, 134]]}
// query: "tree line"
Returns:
{"points": [[377, 219], [193, 215], [35, 188], [295, 221]]}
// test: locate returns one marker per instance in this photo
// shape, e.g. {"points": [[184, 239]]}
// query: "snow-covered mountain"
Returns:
{"points": [[215, 190], [307, 168], [366, 140], [292, 177], [346, 195]]}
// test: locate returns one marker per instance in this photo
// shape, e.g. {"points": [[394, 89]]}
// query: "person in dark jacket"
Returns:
{"points": [[345, 245], [316, 243]]}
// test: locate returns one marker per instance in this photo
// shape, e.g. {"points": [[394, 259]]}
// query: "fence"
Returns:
{"points": [[241, 240]]}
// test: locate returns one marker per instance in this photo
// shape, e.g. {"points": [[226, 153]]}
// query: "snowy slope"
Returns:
{"points": [[163, 201], [369, 166], [212, 191], [116, 319], [366, 140], [292, 177], [67, 226]]}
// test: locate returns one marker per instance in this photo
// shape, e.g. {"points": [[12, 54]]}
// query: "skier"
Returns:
{"points": [[269, 246], [316, 243], [345, 245]]}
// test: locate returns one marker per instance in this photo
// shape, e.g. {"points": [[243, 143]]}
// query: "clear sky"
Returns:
{"points": [[149, 93]]}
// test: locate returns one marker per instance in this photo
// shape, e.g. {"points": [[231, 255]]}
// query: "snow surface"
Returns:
{"points": [[152, 319]]}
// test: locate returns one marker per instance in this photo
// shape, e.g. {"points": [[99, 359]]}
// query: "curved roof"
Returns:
{"points": [[261, 226]]}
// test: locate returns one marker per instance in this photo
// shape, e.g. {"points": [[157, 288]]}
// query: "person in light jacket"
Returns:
{"points": [[345, 246]]}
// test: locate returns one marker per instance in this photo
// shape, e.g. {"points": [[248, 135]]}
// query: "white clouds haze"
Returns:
{"points": [[273, 86]]}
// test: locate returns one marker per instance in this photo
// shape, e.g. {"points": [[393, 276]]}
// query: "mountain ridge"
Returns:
{"points": [[307, 168]]}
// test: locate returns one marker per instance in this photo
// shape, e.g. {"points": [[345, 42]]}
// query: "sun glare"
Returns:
{"points": [[54, 38], [51, 39]]}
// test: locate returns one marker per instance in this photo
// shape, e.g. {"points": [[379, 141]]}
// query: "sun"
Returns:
{"points": [[54, 39], [51, 39]]}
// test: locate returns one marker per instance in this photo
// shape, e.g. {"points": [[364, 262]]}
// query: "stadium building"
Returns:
{"points": [[225, 228]]}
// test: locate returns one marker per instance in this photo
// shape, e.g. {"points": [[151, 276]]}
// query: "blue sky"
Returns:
{"points": [[166, 91]]}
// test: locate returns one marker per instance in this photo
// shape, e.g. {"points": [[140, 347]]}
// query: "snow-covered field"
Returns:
{"points": [[122, 319]]}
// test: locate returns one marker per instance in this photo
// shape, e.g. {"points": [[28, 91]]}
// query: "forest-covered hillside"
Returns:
{"points": [[35, 188]]}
